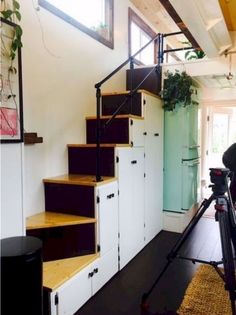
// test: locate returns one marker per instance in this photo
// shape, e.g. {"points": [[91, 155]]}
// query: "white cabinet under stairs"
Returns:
{"points": [[92, 229]]}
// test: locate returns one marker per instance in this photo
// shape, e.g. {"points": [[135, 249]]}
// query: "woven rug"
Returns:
{"points": [[206, 295]]}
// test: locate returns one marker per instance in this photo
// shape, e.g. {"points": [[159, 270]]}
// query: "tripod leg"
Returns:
{"points": [[201, 210], [227, 250], [205, 204]]}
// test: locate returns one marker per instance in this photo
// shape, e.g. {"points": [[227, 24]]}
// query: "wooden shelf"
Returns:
{"points": [[52, 219], [32, 138], [55, 273], [77, 179]]}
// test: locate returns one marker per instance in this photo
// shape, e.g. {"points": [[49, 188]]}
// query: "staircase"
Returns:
{"points": [[92, 229]]}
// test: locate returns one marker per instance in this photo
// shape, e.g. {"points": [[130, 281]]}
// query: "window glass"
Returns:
{"points": [[94, 17], [139, 35]]}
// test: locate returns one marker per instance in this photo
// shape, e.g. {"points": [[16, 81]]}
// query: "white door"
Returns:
{"points": [[153, 166], [130, 171], [137, 163], [107, 217], [136, 132], [104, 269], [75, 292]]}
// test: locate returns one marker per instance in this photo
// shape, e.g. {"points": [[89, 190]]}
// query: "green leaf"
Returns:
{"points": [[16, 4], [18, 15], [12, 55], [18, 31], [14, 45], [6, 14]]}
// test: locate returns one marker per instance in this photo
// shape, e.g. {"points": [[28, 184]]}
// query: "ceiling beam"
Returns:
{"points": [[174, 15]]}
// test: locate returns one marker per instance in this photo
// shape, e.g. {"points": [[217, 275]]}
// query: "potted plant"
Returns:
{"points": [[178, 90]]}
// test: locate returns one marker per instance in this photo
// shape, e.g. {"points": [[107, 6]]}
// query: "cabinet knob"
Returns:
{"points": [[145, 133], [95, 270], [90, 274], [156, 134], [134, 162]]}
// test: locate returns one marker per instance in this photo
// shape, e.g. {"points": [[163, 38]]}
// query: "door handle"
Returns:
{"points": [[110, 196]]}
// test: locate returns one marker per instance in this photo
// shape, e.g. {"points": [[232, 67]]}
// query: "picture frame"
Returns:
{"points": [[11, 94]]}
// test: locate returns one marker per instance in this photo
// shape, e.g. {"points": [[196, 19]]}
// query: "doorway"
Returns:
{"points": [[221, 133]]}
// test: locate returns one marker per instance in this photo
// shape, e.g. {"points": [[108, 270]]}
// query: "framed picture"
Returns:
{"points": [[11, 100]]}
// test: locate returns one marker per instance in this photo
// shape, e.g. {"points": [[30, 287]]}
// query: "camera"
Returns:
{"points": [[219, 177]]}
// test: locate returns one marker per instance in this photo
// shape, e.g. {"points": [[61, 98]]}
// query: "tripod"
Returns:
{"points": [[225, 216]]}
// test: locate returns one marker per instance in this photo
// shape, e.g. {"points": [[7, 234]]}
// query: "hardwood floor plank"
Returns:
{"points": [[122, 294]]}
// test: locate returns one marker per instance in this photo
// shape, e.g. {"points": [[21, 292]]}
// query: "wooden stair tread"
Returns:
{"points": [[77, 179], [102, 145], [118, 117], [48, 219], [57, 272], [126, 92]]}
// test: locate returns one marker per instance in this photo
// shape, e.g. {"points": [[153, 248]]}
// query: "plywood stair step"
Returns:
{"points": [[78, 179], [63, 235], [82, 158], [47, 219], [119, 131], [72, 194], [55, 273], [134, 106]]}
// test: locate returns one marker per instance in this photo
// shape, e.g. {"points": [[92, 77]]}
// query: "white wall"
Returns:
{"points": [[11, 195], [61, 64]]}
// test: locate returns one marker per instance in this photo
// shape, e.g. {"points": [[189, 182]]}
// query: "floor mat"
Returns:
{"points": [[206, 295]]}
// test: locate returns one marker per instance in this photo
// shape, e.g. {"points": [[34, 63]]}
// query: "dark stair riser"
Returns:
{"points": [[70, 199], [116, 132], [111, 102], [66, 241], [82, 160], [151, 84]]}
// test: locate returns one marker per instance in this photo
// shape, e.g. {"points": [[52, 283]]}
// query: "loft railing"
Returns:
{"points": [[160, 54]]}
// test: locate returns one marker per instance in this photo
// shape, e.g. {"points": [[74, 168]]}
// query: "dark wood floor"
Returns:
{"points": [[122, 294]]}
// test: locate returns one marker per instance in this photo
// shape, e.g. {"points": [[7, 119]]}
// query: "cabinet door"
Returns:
{"points": [[75, 292], [154, 117], [107, 217], [130, 171], [104, 269], [136, 132]]}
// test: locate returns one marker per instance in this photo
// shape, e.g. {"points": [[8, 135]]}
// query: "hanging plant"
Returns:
{"points": [[12, 14], [178, 89]]}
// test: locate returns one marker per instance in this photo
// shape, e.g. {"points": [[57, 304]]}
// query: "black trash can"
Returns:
{"points": [[21, 276]]}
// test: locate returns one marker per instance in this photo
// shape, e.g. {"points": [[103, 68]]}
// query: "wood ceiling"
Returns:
{"points": [[228, 8], [162, 15], [164, 18]]}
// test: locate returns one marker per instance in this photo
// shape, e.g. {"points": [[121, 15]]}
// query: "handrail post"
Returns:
{"points": [[98, 135], [131, 66]]}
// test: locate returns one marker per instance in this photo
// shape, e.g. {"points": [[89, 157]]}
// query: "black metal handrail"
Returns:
{"points": [[128, 96], [160, 40]]}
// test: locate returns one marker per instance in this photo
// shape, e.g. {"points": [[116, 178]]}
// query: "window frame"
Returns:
{"points": [[109, 13], [133, 17]]}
